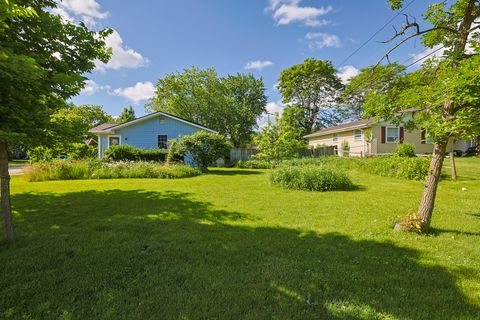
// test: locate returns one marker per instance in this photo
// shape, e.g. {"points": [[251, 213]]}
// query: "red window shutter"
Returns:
{"points": [[422, 136], [384, 134], [402, 134]]}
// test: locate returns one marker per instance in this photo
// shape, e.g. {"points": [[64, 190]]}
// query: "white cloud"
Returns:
{"points": [[289, 11], [318, 40], [86, 10], [139, 92], [258, 64], [431, 52], [347, 72], [122, 56], [91, 87], [275, 107]]}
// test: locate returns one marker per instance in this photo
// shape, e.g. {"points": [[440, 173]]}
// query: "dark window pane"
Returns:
{"points": [[162, 141]]}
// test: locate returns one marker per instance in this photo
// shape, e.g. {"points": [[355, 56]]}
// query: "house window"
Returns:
{"points": [[393, 134], [113, 140], [162, 141], [335, 137], [357, 135]]}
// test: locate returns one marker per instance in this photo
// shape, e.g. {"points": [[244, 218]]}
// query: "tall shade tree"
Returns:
{"points": [[230, 105], [128, 114], [446, 90], [377, 79], [71, 124], [315, 87], [42, 59], [246, 102]]}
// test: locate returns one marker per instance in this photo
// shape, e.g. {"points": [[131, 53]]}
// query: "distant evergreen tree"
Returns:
{"points": [[128, 114]]}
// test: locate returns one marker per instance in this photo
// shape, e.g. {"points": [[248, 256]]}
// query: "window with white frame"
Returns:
{"points": [[335, 137], [357, 135], [162, 141], [113, 140], [393, 134]]}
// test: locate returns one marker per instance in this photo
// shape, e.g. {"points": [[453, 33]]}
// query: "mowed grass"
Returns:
{"points": [[228, 245]]}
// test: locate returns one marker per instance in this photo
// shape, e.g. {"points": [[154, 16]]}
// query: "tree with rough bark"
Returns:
{"points": [[42, 59], [445, 90], [128, 114], [314, 87]]}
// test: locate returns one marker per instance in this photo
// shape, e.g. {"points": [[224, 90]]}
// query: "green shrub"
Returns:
{"points": [[406, 150], [81, 151], [130, 153], [395, 166], [311, 177], [96, 169], [41, 153], [176, 153], [205, 148], [255, 164]]}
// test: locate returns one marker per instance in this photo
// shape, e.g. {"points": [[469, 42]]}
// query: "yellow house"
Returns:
{"points": [[370, 137]]}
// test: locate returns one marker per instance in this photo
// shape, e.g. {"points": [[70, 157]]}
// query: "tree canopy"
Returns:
{"points": [[42, 61], [230, 105], [128, 114], [72, 123], [314, 87]]}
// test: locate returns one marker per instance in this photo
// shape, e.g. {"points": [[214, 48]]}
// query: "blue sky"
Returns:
{"points": [[155, 38]]}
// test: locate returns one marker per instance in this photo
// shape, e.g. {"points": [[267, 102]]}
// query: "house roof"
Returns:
{"points": [[108, 127], [102, 127], [359, 124]]}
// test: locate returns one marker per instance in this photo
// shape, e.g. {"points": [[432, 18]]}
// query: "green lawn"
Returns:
{"points": [[229, 245]]}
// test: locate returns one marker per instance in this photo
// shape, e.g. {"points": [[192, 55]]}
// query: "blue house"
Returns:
{"points": [[153, 131]]}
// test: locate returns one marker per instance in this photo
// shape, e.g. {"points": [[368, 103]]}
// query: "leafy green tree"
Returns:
{"points": [[446, 91], [72, 123], [230, 105], [246, 102], [128, 114], [315, 87], [204, 148], [281, 139], [42, 59], [371, 79]]}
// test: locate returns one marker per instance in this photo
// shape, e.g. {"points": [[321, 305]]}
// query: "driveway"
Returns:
{"points": [[16, 170]]}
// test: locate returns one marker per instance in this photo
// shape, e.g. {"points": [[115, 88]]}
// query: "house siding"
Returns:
{"points": [[357, 147], [144, 134]]}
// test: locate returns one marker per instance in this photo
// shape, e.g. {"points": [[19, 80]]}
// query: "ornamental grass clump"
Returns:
{"points": [[411, 168], [95, 169], [311, 177]]}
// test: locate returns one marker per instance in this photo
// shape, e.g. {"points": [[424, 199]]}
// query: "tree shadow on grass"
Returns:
{"points": [[146, 255]]}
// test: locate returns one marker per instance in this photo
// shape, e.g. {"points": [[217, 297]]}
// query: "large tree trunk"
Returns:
{"points": [[431, 183], [5, 206]]}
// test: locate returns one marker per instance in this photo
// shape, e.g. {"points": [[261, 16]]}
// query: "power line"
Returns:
{"points": [[374, 35], [424, 57]]}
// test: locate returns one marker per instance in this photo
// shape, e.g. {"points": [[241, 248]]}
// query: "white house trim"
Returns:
{"points": [[152, 115], [99, 146]]}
